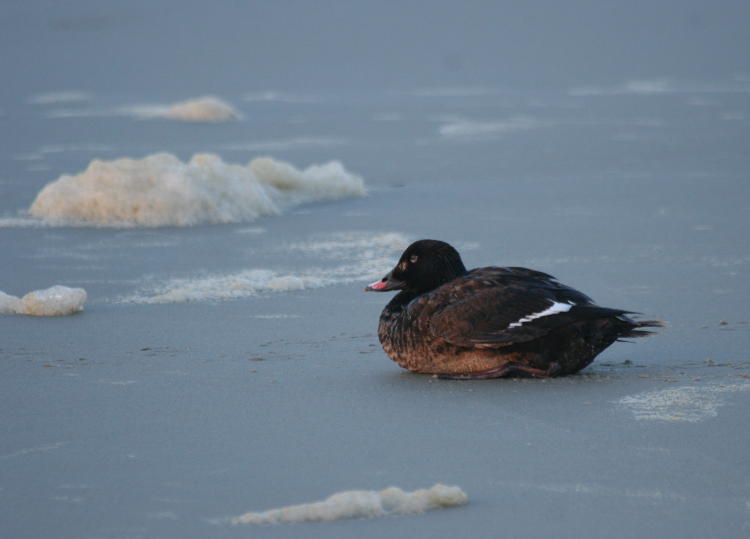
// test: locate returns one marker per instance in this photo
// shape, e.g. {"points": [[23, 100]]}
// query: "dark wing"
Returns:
{"points": [[494, 307]]}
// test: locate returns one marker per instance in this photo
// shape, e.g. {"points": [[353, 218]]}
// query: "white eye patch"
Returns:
{"points": [[413, 259]]}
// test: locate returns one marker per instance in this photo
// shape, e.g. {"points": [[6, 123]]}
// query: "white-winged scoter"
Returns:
{"points": [[491, 322]]}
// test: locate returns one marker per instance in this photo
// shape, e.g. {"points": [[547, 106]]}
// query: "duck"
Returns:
{"points": [[491, 322]]}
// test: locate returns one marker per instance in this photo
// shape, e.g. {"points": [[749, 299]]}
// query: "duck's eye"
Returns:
{"points": [[413, 259]]}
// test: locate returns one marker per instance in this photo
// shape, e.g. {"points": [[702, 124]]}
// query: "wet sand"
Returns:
{"points": [[223, 369], [166, 419]]}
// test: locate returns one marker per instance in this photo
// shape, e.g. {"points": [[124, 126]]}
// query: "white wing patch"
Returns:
{"points": [[554, 309]]}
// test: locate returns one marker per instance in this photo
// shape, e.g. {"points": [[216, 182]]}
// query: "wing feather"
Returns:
{"points": [[495, 307]]}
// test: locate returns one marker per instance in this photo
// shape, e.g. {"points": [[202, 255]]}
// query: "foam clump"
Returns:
{"points": [[161, 190], [361, 504], [54, 301], [201, 109]]}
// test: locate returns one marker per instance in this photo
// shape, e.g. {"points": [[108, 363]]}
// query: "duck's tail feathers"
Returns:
{"points": [[637, 331]]}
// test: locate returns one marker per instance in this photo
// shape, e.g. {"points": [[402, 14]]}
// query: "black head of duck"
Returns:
{"points": [[423, 266], [491, 321]]}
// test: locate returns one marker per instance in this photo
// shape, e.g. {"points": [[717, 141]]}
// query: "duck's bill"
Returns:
{"points": [[385, 284]]}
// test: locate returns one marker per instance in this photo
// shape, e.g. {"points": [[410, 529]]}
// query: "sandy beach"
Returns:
{"points": [[221, 369]]}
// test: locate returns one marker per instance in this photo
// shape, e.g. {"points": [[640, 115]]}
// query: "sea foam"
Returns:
{"points": [[661, 86], [54, 301], [201, 109], [53, 98], [686, 403], [359, 256], [283, 97], [361, 504], [462, 128], [161, 190]]}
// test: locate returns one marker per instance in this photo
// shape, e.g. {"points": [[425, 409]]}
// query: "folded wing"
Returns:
{"points": [[496, 307]]}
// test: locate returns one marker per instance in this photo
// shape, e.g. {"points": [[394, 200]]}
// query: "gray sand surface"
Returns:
{"points": [[155, 420], [624, 174]]}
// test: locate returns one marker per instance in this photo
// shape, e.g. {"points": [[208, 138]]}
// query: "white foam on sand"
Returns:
{"points": [[279, 97], [659, 86], [454, 91], [43, 151], [53, 98], [224, 286], [360, 256], [54, 301], [687, 403], [732, 116], [86, 112], [20, 222], [632, 87], [362, 245], [592, 489], [254, 230], [275, 316], [201, 109], [161, 190], [361, 504], [284, 144], [462, 128], [32, 450]]}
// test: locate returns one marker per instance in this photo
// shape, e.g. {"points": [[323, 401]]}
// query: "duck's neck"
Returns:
{"points": [[400, 300], [449, 270]]}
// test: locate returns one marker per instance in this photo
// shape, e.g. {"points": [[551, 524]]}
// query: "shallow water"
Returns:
{"points": [[221, 369]]}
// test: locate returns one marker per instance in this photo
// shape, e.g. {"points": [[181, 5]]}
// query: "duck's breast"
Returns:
{"points": [[411, 335]]}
